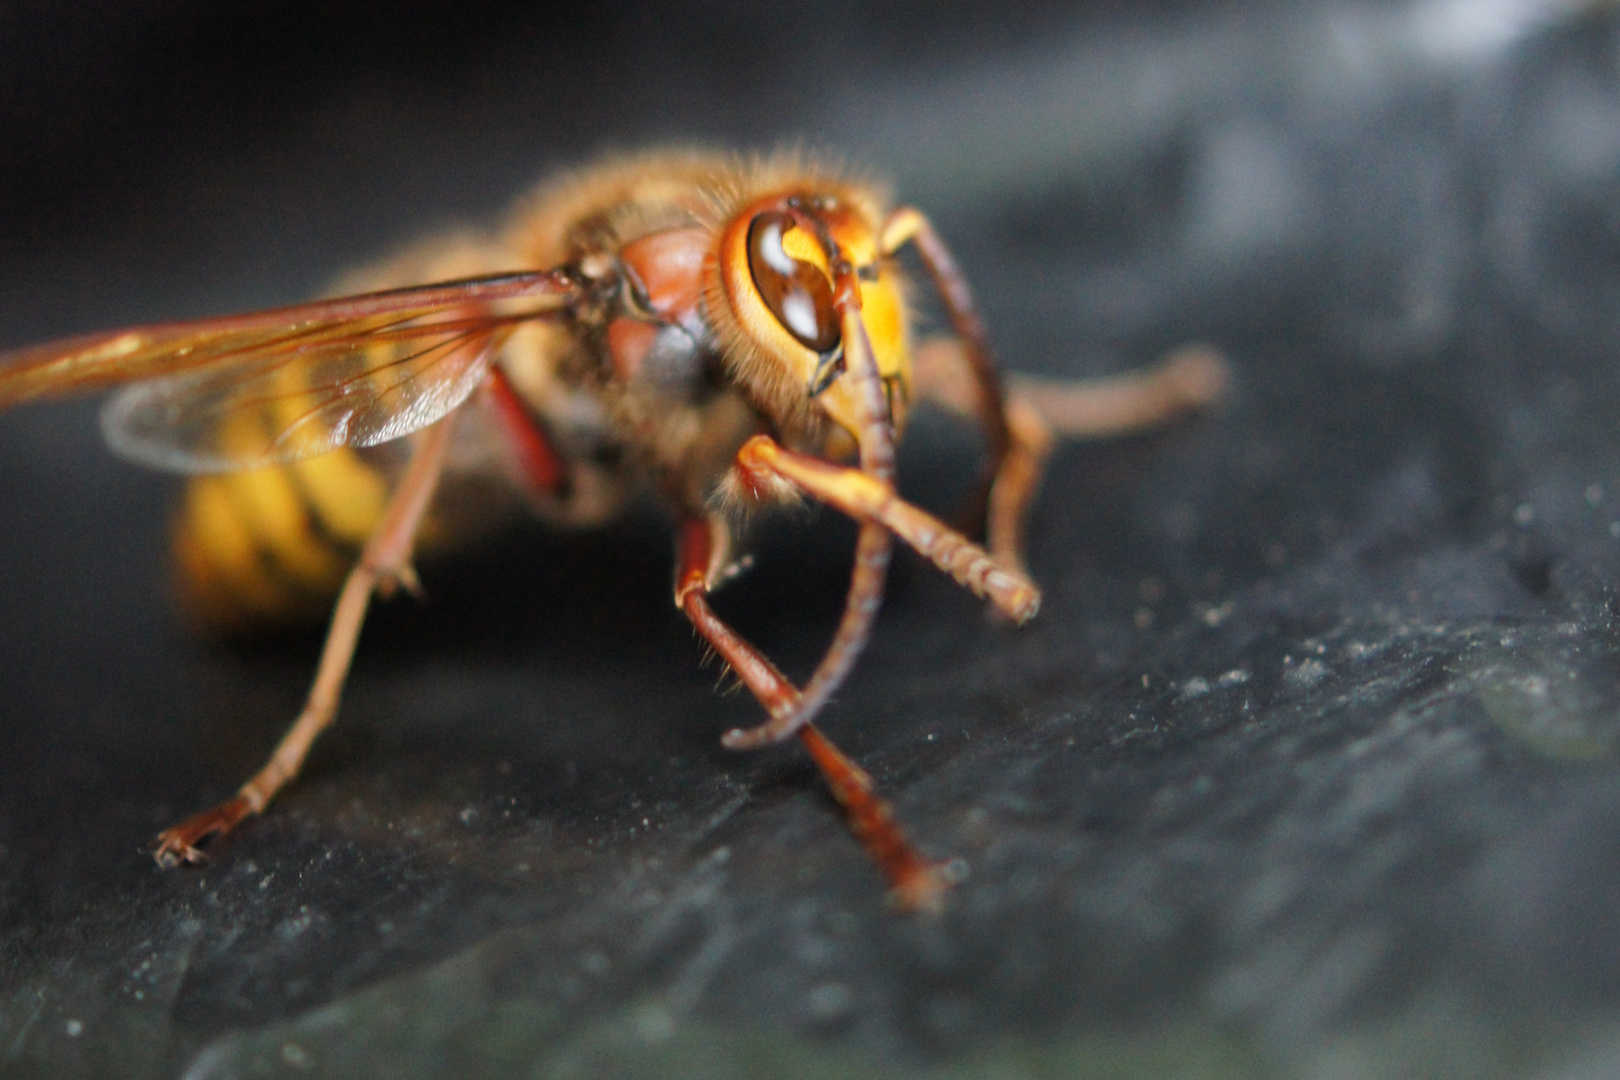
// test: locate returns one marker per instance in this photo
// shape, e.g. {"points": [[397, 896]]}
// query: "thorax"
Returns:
{"points": [[630, 383]]}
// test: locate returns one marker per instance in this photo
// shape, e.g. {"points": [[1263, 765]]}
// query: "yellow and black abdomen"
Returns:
{"points": [[268, 548]]}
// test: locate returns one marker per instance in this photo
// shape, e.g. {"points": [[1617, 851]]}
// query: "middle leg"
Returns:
{"points": [[1038, 412], [914, 882]]}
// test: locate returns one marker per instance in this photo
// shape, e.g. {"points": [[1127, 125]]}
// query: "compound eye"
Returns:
{"points": [[797, 292]]}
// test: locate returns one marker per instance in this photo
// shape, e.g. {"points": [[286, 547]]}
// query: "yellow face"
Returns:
{"points": [[777, 275]]}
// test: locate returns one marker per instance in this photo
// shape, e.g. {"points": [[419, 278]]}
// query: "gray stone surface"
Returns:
{"points": [[1307, 768]]}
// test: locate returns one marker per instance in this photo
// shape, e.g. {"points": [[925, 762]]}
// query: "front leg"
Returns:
{"points": [[867, 500], [914, 882]]}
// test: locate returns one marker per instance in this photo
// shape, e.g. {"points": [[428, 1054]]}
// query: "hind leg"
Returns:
{"points": [[384, 564]]}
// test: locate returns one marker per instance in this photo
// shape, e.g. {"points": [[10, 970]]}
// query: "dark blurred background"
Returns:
{"points": [[308, 135], [1307, 768]]}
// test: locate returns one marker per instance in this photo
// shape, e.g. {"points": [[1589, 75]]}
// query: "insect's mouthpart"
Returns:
{"points": [[830, 366]]}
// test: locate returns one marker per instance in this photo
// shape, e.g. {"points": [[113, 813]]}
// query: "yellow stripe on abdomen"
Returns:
{"points": [[268, 548]]}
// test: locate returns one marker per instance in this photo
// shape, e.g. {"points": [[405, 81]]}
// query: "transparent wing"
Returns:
{"points": [[276, 386], [276, 409]]}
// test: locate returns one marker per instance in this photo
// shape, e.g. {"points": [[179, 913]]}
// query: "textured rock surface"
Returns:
{"points": [[1307, 768]]}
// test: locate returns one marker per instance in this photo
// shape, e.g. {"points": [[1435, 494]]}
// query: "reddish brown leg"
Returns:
{"points": [[1012, 492], [914, 882], [541, 465], [908, 224], [1021, 425], [384, 564], [873, 547], [1040, 411], [1190, 378], [864, 499]]}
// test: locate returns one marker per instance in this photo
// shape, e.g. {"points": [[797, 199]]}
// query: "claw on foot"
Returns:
{"points": [[401, 579], [921, 889], [179, 844]]}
